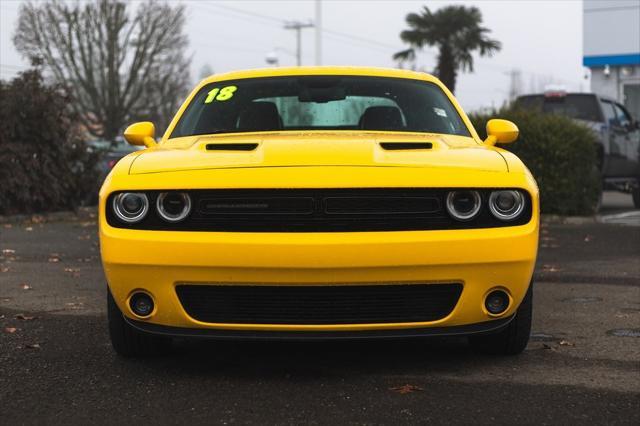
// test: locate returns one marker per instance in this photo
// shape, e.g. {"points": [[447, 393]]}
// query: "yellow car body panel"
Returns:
{"points": [[155, 261]]}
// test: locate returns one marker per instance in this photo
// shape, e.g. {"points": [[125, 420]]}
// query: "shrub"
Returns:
{"points": [[561, 155], [44, 165]]}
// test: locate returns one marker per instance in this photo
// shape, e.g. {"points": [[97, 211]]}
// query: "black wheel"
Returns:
{"points": [[636, 195], [512, 339], [129, 342]]}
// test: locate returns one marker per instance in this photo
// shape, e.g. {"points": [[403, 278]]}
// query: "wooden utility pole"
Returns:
{"points": [[298, 26], [318, 22]]}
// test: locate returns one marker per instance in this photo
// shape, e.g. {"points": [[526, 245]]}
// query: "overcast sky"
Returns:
{"points": [[541, 38]]}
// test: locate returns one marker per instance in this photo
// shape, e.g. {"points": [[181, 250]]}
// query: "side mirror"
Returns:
{"points": [[141, 133], [501, 131]]}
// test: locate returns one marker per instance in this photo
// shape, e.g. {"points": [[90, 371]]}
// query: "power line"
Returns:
{"points": [[247, 12], [272, 20]]}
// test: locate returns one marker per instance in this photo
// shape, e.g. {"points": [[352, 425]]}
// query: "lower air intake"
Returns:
{"points": [[339, 304]]}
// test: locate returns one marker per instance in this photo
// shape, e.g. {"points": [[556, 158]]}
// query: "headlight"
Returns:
{"points": [[131, 207], [173, 206], [506, 205], [463, 205]]}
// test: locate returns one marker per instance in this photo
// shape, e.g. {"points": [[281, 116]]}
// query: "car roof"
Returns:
{"points": [[320, 70], [604, 98]]}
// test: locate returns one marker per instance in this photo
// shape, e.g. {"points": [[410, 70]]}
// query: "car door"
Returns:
{"points": [[616, 137], [631, 140]]}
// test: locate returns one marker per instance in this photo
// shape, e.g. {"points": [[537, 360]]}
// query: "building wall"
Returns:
{"points": [[611, 28], [612, 86], [611, 39]]}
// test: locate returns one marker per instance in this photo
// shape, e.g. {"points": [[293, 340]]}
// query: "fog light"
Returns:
{"points": [[141, 304], [496, 302]]}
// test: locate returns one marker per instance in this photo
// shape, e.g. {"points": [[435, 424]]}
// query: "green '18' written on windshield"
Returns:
{"points": [[218, 94]]}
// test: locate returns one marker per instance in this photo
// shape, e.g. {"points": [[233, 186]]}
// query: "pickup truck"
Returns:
{"points": [[618, 134]]}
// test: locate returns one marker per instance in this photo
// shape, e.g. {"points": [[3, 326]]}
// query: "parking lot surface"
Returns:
{"points": [[582, 364]]}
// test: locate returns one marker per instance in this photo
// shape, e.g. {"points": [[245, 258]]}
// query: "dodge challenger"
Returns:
{"points": [[319, 203]]}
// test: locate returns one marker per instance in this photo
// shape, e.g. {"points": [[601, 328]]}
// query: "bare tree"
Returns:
{"points": [[119, 68]]}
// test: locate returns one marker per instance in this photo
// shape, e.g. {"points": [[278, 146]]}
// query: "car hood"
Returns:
{"points": [[293, 149]]}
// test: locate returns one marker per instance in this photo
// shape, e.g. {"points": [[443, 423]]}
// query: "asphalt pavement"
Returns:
{"points": [[582, 365]]}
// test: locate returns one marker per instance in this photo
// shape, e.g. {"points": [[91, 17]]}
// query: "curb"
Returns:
{"points": [[82, 214], [568, 220]]}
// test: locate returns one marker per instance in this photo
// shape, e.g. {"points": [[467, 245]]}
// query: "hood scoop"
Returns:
{"points": [[401, 146], [231, 146], [318, 150]]}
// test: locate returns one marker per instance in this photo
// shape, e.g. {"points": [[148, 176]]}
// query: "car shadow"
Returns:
{"points": [[310, 360]]}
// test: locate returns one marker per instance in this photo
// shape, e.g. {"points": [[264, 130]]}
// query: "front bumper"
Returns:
{"points": [[403, 333], [480, 259]]}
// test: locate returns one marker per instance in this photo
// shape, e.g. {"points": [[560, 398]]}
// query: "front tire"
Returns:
{"points": [[512, 339], [126, 340]]}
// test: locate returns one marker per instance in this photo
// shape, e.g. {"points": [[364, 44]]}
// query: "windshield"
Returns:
{"points": [[320, 103], [579, 107]]}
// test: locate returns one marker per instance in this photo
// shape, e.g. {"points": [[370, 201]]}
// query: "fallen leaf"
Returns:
{"points": [[72, 270], [1, 316], [28, 229], [10, 330], [566, 343], [25, 286], [406, 389], [75, 306], [7, 226], [588, 238], [36, 218], [24, 317], [32, 346], [550, 268], [548, 347], [54, 258], [4, 269], [8, 251]]}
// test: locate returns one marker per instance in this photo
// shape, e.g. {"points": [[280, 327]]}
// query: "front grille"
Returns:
{"points": [[341, 304], [317, 210]]}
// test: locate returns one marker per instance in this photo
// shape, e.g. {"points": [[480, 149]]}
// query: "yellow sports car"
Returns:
{"points": [[319, 203]]}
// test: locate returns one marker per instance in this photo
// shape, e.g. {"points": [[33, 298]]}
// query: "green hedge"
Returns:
{"points": [[44, 165], [560, 153]]}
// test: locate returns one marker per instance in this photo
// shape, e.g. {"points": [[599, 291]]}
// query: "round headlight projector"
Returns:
{"points": [[496, 302], [131, 207], [464, 205], [506, 205], [173, 206]]}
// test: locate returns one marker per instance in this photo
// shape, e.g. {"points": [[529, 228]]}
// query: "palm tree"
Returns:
{"points": [[455, 31]]}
